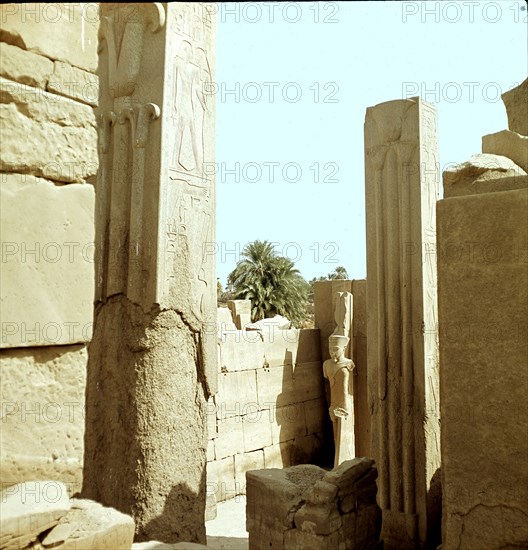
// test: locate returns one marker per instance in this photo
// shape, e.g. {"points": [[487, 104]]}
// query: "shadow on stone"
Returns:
{"points": [[167, 528]]}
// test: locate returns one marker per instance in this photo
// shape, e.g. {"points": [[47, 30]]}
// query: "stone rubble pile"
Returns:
{"points": [[306, 507], [37, 515]]}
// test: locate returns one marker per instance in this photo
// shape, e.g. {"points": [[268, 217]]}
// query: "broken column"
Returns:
{"points": [[306, 507], [402, 179], [152, 360]]}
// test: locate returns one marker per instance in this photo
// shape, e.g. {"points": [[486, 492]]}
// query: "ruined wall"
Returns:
{"points": [[269, 409], [48, 161], [483, 335]]}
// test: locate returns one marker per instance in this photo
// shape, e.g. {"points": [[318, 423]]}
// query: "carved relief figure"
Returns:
{"points": [[339, 371], [191, 71]]}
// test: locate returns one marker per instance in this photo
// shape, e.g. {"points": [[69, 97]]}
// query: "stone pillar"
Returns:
{"points": [[152, 360], [483, 325], [401, 175]]}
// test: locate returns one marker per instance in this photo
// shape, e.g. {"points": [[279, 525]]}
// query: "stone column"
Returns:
{"points": [[402, 178], [152, 360]]}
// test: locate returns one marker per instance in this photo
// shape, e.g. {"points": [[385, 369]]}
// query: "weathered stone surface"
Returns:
{"points": [[315, 411], [469, 176], [46, 135], [508, 144], [24, 67], [47, 251], [516, 103], [279, 500], [279, 455], [211, 418], [318, 519], [75, 83], [154, 545], [224, 321], [245, 462], [30, 508], [237, 393], [281, 386], [288, 347], [153, 358], [67, 32], [257, 431], [296, 539], [210, 450], [241, 350], [230, 438], [287, 422], [483, 312], [402, 183], [88, 524], [42, 392], [221, 478]]}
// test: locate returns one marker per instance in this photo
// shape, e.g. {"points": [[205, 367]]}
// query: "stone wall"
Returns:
{"points": [[48, 162], [483, 312], [270, 407]]}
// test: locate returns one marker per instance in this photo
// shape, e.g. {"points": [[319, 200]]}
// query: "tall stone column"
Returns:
{"points": [[152, 360], [402, 179]]}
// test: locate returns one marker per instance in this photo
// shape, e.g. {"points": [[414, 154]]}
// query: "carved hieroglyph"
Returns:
{"points": [[402, 179], [152, 362]]}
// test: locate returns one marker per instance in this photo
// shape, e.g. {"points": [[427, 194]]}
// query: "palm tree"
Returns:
{"points": [[271, 282], [339, 273]]}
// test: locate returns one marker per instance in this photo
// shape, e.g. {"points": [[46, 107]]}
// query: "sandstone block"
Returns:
{"points": [[24, 67], [211, 418], [43, 107], [483, 312], [224, 321], [221, 478], [307, 449], [42, 393], [88, 524], [35, 143], [210, 450], [237, 394], [315, 411], [155, 545], [53, 30], [516, 103], [284, 385], [230, 439], [508, 144], [257, 431], [245, 462], [278, 455], [75, 83], [296, 539], [291, 346], [318, 519], [241, 350], [47, 251], [287, 422], [30, 508], [470, 176]]}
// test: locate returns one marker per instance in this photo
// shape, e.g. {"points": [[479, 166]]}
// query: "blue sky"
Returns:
{"points": [[293, 83]]}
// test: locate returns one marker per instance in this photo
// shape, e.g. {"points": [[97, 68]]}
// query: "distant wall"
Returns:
{"points": [[270, 408], [48, 160]]}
